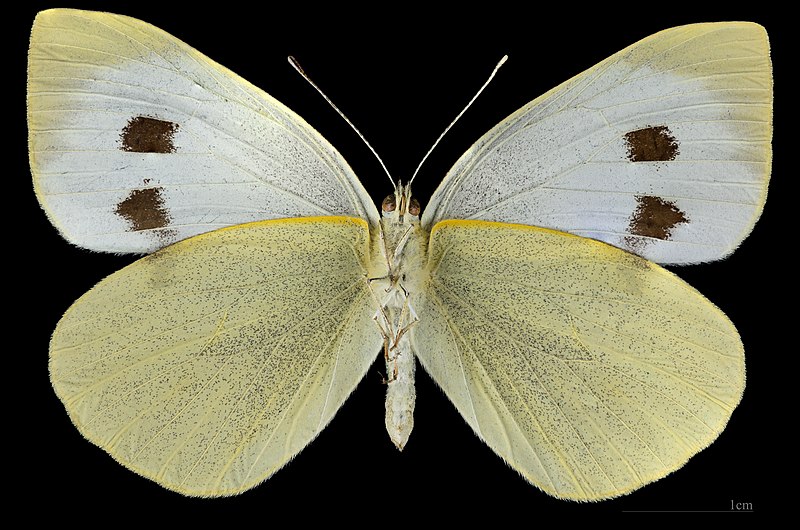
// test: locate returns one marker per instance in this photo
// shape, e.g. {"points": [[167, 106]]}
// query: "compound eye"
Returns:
{"points": [[389, 204], [413, 207]]}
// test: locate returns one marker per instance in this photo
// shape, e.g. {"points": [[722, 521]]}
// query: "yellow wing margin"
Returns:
{"points": [[589, 370], [211, 363]]}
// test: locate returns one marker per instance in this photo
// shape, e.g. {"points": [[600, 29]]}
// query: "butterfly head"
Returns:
{"points": [[400, 206]]}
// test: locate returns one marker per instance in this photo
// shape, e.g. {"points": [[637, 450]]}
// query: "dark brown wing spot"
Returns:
{"points": [[651, 144], [144, 209], [148, 135], [653, 218]]}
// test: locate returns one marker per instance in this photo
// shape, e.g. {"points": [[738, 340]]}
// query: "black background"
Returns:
{"points": [[400, 73]]}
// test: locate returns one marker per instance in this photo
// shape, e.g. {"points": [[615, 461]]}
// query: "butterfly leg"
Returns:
{"points": [[385, 327], [401, 243], [408, 314]]}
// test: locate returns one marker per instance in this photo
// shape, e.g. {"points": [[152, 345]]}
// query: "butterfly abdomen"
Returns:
{"points": [[401, 395]]}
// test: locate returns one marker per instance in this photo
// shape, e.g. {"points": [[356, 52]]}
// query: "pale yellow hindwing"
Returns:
{"points": [[209, 364], [590, 370]]}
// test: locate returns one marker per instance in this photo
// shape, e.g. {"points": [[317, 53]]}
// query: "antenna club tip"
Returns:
{"points": [[503, 60], [295, 64]]}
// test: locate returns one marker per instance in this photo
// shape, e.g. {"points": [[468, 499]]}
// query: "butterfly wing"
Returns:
{"points": [[209, 364], [137, 140], [589, 370], [664, 149]]}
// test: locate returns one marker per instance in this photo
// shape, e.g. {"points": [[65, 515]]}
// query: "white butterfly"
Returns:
{"points": [[211, 363]]}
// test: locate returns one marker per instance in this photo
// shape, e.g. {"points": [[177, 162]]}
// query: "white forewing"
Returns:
{"points": [[663, 149], [137, 140]]}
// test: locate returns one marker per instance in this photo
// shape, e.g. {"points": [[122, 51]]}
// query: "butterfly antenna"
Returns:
{"points": [[491, 76], [300, 70]]}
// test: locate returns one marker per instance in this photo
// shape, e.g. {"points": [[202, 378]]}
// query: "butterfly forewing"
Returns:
{"points": [[138, 140], [663, 149]]}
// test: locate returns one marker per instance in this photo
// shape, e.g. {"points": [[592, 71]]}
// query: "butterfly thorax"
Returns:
{"points": [[402, 248]]}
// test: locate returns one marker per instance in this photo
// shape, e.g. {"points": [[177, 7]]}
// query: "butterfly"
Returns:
{"points": [[202, 365]]}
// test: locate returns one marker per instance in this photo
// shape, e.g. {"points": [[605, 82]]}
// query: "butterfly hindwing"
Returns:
{"points": [[590, 370], [209, 364]]}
